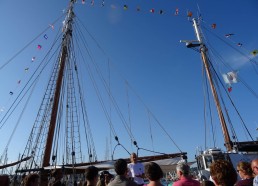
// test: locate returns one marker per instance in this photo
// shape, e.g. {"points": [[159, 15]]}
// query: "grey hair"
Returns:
{"points": [[184, 168]]}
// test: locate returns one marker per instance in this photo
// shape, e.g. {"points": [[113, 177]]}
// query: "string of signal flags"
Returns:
{"points": [[125, 7], [176, 12]]}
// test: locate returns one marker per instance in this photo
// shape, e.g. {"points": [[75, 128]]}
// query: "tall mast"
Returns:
{"points": [[67, 29], [203, 51]]}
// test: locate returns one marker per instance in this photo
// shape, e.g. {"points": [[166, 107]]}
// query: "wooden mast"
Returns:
{"points": [[67, 29], [203, 50]]}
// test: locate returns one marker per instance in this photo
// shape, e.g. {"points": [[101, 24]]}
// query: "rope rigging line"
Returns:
{"points": [[94, 84], [207, 92], [105, 110], [73, 65], [127, 126], [41, 128], [85, 118], [114, 103], [222, 100], [112, 98], [18, 121], [151, 151], [135, 93], [226, 111], [150, 131], [204, 114], [231, 101], [115, 149], [129, 110], [20, 51], [110, 109], [234, 48], [227, 65], [100, 99], [25, 86], [154, 117], [128, 84]]}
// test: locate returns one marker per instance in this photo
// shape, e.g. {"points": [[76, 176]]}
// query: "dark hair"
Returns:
{"points": [[207, 183], [223, 172], [120, 166], [153, 171], [91, 172], [31, 178]]}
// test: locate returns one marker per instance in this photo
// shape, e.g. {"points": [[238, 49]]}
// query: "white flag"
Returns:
{"points": [[230, 77]]}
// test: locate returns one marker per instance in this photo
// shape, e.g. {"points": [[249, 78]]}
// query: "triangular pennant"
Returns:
{"points": [[254, 52], [189, 14], [229, 89], [213, 26]]}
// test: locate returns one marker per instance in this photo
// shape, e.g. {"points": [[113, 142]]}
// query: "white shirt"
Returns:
{"points": [[136, 169], [255, 183]]}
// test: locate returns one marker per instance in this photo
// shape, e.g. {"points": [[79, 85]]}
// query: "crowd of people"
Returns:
{"points": [[222, 173]]}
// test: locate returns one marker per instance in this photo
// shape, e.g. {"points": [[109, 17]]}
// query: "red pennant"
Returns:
{"points": [[229, 89]]}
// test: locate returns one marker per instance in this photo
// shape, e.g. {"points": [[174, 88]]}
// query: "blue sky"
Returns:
{"points": [[144, 48]]}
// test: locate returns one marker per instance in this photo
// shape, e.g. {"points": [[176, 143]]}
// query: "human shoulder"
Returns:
{"points": [[197, 183], [177, 183]]}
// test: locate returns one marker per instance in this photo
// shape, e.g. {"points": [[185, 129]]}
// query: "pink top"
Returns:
{"points": [[185, 181]]}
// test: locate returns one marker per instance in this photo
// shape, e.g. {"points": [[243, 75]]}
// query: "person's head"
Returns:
{"points": [[92, 174], [254, 166], [223, 173], [32, 180], [153, 171], [121, 167], [133, 158], [182, 169], [244, 169]]}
